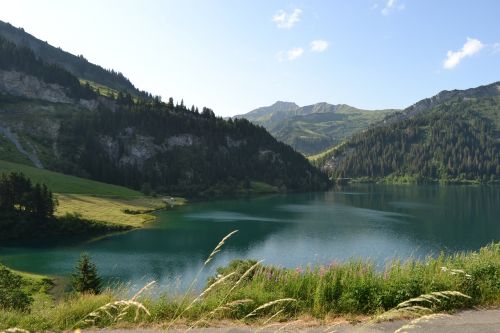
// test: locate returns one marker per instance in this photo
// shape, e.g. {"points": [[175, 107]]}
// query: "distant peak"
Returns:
{"points": [[284, 103]]}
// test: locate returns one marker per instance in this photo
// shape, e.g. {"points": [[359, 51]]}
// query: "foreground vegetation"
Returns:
{"points": [[249, 292], [62, 183]]}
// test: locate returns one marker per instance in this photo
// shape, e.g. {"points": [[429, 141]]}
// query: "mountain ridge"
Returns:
{"points": [[313, 128]]}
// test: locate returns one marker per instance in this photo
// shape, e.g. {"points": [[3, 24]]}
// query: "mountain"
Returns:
{"points": [[453, 136], [50, 119], [76, 65], [313, 128]]}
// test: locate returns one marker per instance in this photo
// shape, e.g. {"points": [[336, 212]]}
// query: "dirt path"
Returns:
{"points": [[484, 321]]}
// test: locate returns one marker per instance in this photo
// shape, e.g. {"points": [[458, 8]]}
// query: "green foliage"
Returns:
{"points": [[354, 287], [27, 213], [86, 278], [12, 295], [76, 65], [61, 183], [132, 140], [18, 194], [357, 287], [455, 141], [314, 128], [55, 230], [194, 153], [23, 59]]}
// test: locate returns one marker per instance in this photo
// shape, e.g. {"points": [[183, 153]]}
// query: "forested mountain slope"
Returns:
{"points": [[457, 138], [76, 65], [313, 128], [48, 119]]}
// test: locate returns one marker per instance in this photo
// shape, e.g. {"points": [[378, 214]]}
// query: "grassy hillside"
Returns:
{"points": [[314, 128], [94, 200], [61, 183]]}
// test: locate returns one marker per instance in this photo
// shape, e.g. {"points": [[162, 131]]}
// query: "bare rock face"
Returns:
{"points": [[182, 140], [19, 84], [232, 143], [130, 148]]}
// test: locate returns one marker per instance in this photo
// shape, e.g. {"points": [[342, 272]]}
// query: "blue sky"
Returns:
{"points": [[234, 56]]}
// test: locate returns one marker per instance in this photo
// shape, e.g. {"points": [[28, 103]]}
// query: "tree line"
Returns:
{"points": [[19, 194], [23, 59]]}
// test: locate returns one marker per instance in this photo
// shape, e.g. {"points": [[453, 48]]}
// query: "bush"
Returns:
{"points": [[12, 296]]}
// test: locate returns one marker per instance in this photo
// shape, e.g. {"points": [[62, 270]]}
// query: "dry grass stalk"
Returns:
{"points": [[287, 325], [146, 287], [116, 311], [226, 307], [269, 320], [432, 298], [216, 250], [219, 246], [212, 286], [242, 277], [269, 304], [414, 307], [415, 322], [15, 330]]}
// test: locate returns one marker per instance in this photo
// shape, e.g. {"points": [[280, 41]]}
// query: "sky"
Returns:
{"points": [[234, 56]]}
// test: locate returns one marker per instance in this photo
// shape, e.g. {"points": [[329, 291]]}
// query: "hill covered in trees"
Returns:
{"points": [[50, 120], [76, 65], [313, 128], [452, 137]]}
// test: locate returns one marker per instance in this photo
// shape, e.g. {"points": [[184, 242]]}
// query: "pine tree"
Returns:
{"points": [[86, 278]]}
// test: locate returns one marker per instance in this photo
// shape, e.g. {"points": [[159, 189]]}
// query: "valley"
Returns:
{"points": [[120, 208]]}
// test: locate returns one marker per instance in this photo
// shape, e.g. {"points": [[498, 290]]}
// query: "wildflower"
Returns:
{"points": [[334, 263], [299, 270], [322, 271]]}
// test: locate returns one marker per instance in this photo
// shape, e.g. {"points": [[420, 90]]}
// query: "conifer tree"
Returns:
{"points": [[86, 279]]}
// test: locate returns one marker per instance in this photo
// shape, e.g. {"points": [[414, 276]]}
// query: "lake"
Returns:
{"points": [[378, 222]]}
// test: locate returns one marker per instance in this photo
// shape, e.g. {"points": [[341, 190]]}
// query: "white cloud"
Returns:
{"points": [[290, 54], [390, 6], [471, 47], [319, 45], [286, 20]]}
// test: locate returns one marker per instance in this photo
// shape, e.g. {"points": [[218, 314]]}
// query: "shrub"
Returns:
{"points": [[12, 296]]}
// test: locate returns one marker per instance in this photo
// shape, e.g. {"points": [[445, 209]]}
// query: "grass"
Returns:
{"points": [[247, 292], [93, 200], [261, 188], [61, 183], [124, 211], [327, 152], [35, 283]]}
